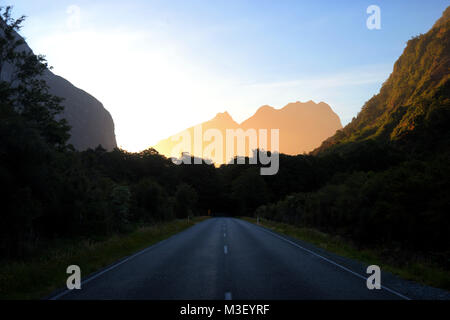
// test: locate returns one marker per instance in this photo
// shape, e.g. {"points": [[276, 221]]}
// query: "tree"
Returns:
{"points": [[185, 200], [23, 91], [29, 134], [120, 203], [249, 191], [150, 201]]}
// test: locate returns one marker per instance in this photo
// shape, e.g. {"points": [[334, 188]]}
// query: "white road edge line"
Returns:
{"points": [[332, 262], [228, 296], [225, 249], [109, 268], [115, 265]]}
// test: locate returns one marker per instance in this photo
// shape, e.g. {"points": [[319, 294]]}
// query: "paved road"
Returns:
{"points": [[225, 258]]}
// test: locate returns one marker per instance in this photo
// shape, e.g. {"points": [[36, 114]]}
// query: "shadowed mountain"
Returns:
{"points": [[302, 127], [91, 124]]}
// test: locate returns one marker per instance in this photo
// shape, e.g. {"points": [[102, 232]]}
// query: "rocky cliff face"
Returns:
{"points": [[92, 125]]}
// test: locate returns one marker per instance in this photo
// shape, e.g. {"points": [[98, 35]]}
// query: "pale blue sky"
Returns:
{"points": [[161, 66]]}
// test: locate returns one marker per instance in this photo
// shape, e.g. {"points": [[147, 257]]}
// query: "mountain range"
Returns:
{"points": [[302, 127]]}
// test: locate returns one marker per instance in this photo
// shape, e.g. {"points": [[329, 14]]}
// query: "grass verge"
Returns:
{"points": [[416, 269], [38, 277]]}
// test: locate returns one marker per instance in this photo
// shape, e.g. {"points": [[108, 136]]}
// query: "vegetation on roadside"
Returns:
{"points": [[45, 271], [382, 183], [418, 269]]}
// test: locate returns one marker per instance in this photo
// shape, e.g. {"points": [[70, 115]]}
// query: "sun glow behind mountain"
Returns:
{"points": [[159, 67], [301, 128]]}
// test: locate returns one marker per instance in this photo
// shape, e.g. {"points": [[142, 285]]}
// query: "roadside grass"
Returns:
{"points": [[38, 277], [417, 269]]}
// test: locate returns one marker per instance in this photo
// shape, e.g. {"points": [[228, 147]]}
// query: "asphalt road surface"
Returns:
{"points": [[228, 259]]}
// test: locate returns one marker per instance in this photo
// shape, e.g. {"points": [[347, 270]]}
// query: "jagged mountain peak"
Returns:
{"points": [[299, 131], [265, 108], [223, 116]]}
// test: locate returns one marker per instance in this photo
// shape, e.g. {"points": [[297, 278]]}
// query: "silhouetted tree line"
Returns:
{"points": [[50, 191], [371, 192]]}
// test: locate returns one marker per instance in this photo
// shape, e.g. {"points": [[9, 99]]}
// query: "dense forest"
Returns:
{"points": [[383, 181], [388, 170]]}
